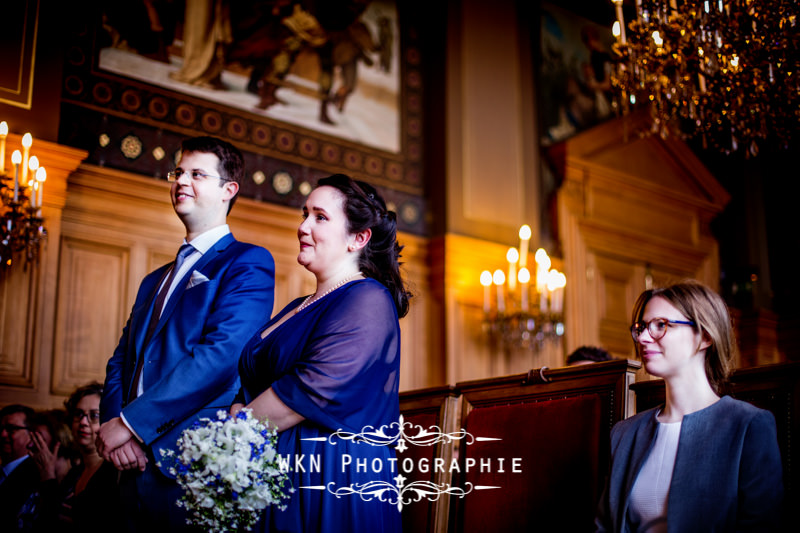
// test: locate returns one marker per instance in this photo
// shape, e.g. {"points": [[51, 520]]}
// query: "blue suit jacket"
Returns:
{"points": [[191, 362], [727, 476]]}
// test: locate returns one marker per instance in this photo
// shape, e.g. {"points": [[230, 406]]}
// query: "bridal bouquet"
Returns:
{"points": [[229, 471]]}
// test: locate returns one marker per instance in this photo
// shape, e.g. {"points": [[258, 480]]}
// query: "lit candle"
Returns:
{"points": [[563, 283], [512, 256], [16, 159], [555, 285], [486, 281], [542, 266], [27, 141], [3, 133], [524, 277], [524, 239], [621, 20], [41, 177], [33, 165], [499, 279], [551, 287]]}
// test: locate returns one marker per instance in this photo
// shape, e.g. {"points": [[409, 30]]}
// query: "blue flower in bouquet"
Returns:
{"points": [[229, 471]]}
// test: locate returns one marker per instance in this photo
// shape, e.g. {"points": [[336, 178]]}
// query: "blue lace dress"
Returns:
{"points": [[337, 363]]}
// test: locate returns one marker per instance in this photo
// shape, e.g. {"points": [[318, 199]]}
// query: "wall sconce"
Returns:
{"points": [[524, 311], [22, 225]]}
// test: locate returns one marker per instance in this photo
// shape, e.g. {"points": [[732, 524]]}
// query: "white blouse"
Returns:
{"points": [[647, 507]]}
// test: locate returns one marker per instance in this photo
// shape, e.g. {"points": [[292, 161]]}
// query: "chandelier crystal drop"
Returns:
{"points": [[723, 70]]}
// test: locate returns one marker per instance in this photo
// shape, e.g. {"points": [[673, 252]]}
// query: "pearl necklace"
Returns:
{"points": [[310, 299]]}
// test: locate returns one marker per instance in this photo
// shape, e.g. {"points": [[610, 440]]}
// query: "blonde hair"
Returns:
{"points": [[703, 306]]}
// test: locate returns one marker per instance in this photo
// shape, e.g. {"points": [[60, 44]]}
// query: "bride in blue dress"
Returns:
{"points": [[327, 366]]}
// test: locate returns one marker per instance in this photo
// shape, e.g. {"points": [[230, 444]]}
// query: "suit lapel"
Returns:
{"points": [[180, 288], [140, 328]]}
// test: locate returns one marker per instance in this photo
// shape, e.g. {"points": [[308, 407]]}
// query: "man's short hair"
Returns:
{"points": [[17, 408], [589, 353]]}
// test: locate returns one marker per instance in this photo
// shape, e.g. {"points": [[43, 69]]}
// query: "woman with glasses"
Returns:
{"points": [[702, 461], [87, 497]]}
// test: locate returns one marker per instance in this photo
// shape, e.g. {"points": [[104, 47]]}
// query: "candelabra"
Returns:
{"points": [[724, 70], [521, 313], [22, 227]]}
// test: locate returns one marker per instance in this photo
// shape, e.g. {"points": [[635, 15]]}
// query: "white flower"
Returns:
{"points": [[228, 470]]}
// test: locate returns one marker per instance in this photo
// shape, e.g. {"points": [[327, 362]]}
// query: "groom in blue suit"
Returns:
{"points": [[177, 359]]}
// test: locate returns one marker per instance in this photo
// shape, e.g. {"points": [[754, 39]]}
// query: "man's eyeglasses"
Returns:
{"points": [[657, 327], [11, 428], [196, 175], [92, 416]]}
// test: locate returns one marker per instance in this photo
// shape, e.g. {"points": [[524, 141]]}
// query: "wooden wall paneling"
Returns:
{"points": [[492, 182], [17, 292], [617, 285], [420, 361], [90, 311], [469, 355], [27, 297], [581, 314], [622, 219]]}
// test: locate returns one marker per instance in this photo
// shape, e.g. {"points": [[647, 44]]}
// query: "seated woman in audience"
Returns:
{"points": [[50, 449], [87, 498], [702, 461], [51, 444]]}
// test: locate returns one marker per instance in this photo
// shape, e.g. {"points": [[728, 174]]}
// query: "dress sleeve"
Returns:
{"points": [[760, 477], [351, 360]]}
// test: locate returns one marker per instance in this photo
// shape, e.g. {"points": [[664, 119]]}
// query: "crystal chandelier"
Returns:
{"points": [[723, 70], [523, 311], [21, 188]]}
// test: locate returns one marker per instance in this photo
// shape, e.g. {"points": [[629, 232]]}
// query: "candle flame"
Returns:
{"points": [[499, 277], [512, 256], [542, 259]]}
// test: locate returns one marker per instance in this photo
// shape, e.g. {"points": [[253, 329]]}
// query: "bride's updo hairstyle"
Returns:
{"points": [[379, 259]]}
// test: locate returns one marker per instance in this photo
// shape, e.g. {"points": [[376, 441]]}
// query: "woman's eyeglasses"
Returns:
{"points": [[657, 327], [93, 415]]}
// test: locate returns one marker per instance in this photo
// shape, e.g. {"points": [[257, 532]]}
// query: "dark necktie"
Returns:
{"points": [[158, 306]]}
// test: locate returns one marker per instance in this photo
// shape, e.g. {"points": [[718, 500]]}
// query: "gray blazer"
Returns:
{"points": [[727, 476]]}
